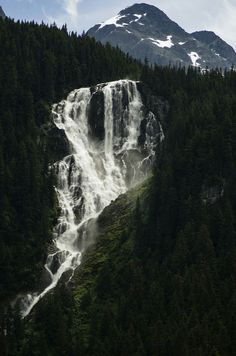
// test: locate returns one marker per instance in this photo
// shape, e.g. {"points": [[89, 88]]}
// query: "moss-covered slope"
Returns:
{"points": [[112, 238], [65, 318]]}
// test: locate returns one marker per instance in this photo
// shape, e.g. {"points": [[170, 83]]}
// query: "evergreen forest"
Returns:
{"points": [[161, 277]]}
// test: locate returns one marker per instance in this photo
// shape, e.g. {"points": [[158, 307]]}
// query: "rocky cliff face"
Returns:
{"points": [[2, 14], [152, 106], [144, 31], [109, 136]]}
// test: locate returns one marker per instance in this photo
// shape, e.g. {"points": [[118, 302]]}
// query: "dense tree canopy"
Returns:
{"points": [[162, 284], [38, 66]]}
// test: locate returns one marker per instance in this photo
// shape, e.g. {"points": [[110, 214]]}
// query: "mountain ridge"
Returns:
{"points": [[2, 13], [145, 31]]}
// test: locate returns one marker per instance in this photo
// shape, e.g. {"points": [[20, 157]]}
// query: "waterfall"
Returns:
{"points": [[108, 121], [98, 169]]}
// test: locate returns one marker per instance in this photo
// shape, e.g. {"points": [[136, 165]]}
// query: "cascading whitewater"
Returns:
{"points": [[104, 162]]}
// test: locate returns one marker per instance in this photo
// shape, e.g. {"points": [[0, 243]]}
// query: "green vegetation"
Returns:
{"points": [[38, 66], [160, 279], [66, 320]]}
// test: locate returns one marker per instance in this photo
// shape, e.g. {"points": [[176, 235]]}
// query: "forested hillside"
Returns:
{"points": [[38, 66], [161, 278], [163, 284]]}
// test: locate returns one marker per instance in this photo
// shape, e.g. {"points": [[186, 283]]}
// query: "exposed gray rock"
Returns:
{"points": [[217, 45], [153, 103], [58, 145], [144, 31], [96, 114], [2, 13]]}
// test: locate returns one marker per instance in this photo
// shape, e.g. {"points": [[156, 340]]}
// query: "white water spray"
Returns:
{"points": [[95, 173]]}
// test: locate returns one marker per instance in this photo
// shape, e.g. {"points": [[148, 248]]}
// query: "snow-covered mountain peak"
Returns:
{"points": [[144, 31]]}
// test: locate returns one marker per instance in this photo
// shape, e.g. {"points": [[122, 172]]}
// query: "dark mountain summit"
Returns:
{"points": [[149, 15], [2, 13], [216, 44], [144, 31]]}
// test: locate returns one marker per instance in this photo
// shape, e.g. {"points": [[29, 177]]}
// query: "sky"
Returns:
{"points": [[215, 15]]}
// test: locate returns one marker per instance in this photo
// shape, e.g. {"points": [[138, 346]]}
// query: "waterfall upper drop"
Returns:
{"points": [[103, 127]]}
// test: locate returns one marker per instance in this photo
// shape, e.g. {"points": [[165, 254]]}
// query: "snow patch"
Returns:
{"points": [[113, 21], [141, 40], [194, 58], [217, 54], [138, 17], [181, 43], [163, 44]]}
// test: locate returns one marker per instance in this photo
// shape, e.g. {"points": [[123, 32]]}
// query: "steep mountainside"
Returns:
{"points": [[160, 279], [2, 14], [36, 70], [216, 44], [112, 137], [144, 31]]}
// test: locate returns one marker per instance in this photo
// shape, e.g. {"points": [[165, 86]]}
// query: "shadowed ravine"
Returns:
{"points": [[103, 126]]}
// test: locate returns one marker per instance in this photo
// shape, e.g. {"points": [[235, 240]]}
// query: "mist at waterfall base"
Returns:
{"points": [[107, 157]]}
